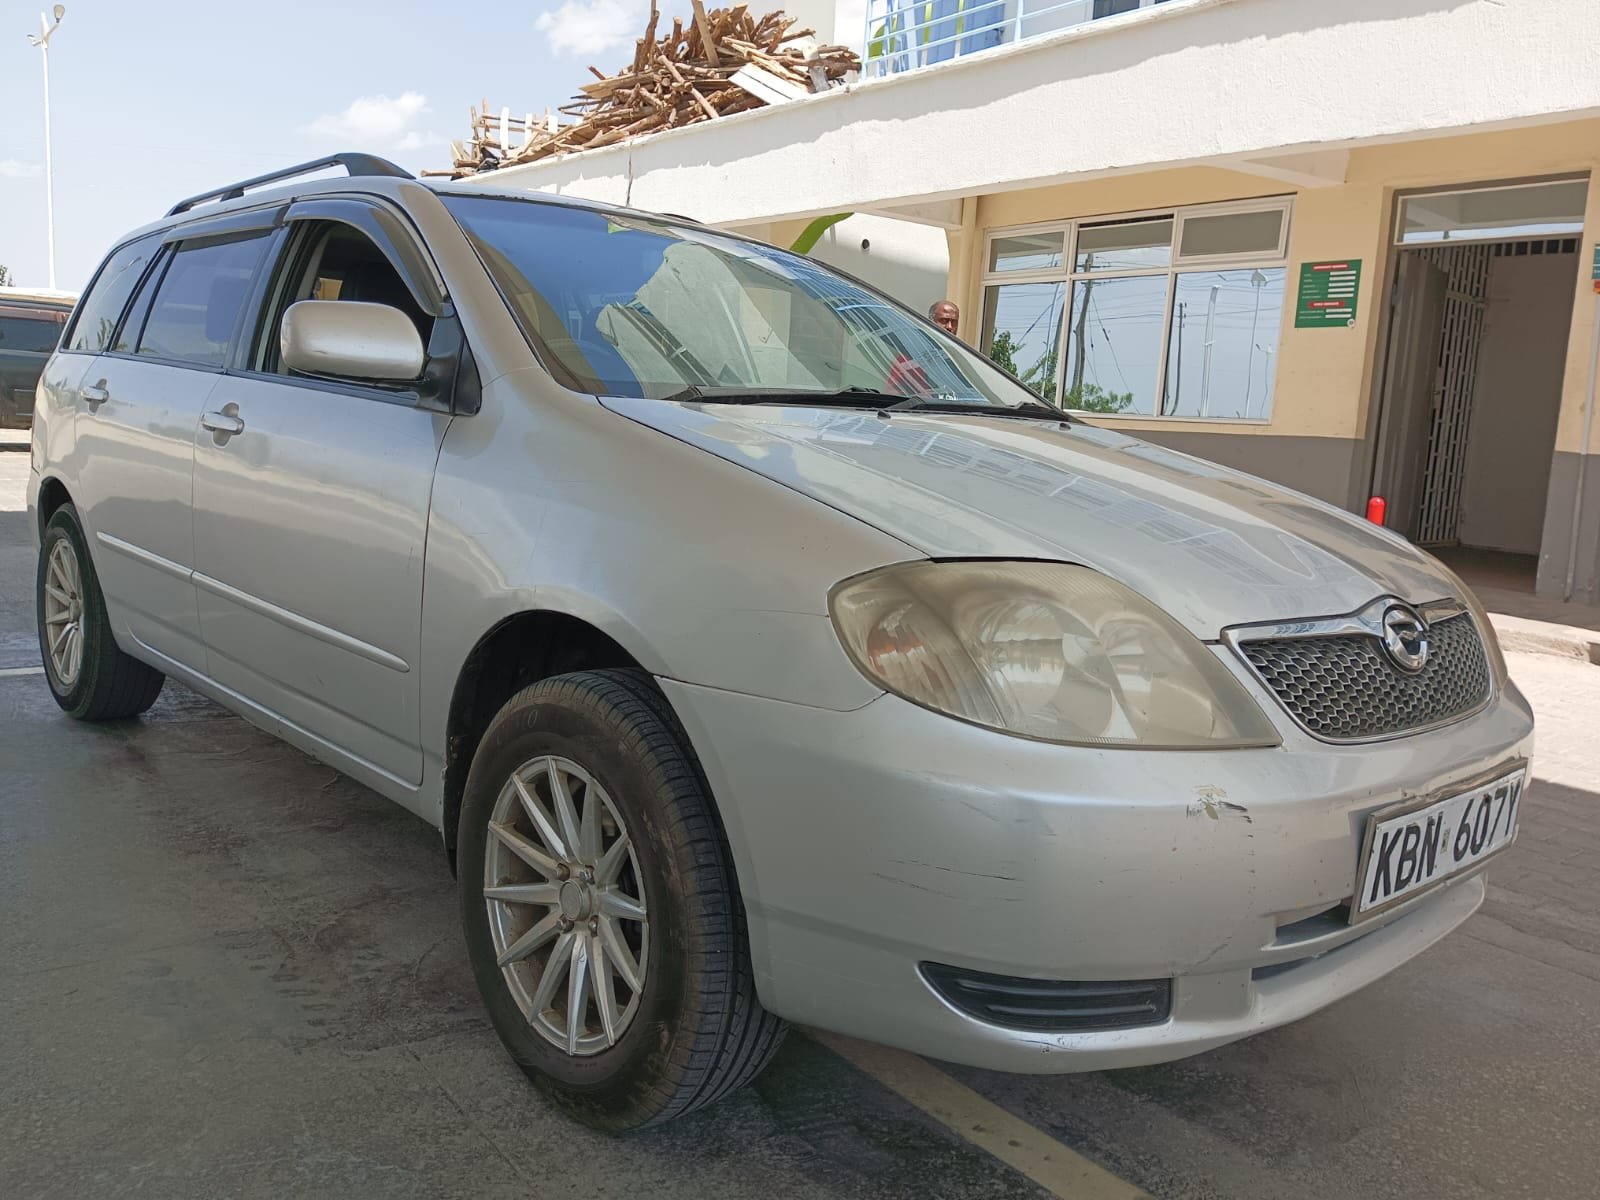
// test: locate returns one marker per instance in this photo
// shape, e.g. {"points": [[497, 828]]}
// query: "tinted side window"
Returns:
{"points": [[198, 303], [108, 296], [133, 324], [37, 334]]}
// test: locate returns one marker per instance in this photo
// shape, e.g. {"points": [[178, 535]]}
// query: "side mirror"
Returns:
{"points": [[351, 339]]}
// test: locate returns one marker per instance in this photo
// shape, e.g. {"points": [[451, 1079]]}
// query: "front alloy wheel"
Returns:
{"points": [[565, 906], [605, 926]]}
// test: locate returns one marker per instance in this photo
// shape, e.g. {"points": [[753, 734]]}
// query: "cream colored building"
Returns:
{"points": [[1349, 246]]}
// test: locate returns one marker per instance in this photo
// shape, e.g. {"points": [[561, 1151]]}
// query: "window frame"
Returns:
{"points": [[1069, 274], [388, 229], [304, 224]]}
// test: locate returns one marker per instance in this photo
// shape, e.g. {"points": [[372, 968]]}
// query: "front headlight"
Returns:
{"points": [[1043, 650]]}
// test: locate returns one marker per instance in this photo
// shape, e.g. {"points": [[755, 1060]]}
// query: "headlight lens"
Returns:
{"points": [[1043, 650]]}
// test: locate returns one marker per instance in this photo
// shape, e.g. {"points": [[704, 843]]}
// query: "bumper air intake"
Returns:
{"points": [[1051, 1005]]}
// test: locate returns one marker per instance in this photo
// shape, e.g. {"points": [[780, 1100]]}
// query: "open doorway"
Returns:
{"points": [[1484, 286]]}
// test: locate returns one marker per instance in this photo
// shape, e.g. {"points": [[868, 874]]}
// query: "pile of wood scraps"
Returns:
{"points": [[724, 61]]}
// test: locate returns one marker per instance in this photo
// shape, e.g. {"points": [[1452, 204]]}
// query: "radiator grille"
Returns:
{"points": [[1344, 688]]}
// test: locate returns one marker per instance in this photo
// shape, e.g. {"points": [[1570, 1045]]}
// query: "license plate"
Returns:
{"points": [[1412, 850]]}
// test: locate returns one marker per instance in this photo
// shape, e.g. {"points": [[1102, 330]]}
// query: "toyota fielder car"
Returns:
{"points": [[762, 652]]}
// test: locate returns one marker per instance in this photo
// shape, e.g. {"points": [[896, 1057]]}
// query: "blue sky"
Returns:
{"points": [[152, 102]]}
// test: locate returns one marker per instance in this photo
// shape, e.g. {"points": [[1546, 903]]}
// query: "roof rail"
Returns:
{"points": [[355, 164]]}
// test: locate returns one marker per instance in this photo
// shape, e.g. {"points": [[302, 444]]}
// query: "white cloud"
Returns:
{"points": [[592, 26], [11, 168], [377, 123]]}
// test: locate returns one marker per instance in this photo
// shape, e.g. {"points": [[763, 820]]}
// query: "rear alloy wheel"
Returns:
{"points": [[63, 613], [89, 675], [601, 912]]}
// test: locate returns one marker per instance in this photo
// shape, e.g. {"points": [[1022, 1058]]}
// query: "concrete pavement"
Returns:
{"points": [[227, 970]]}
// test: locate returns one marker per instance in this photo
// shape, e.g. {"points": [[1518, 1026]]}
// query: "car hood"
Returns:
{"points": [[1212, 546]]}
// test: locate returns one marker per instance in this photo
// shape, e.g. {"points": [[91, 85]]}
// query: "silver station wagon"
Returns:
{"points": [[762, 653]]}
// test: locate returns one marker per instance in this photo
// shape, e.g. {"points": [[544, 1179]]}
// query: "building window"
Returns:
{"points": [[1169, 314], [1493, 214]]}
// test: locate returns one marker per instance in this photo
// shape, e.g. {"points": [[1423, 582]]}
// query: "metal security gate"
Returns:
{"points": [[1466, 297], [1446, 240]]}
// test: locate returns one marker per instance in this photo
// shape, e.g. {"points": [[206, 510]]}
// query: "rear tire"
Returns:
{"points": [[89, 676], [693, 1030]]}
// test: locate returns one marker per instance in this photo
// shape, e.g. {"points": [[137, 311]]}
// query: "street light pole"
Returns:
{"points": [[46, 29]]}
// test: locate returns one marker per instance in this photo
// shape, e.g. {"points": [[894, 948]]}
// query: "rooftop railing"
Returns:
{"points": [[902, 35]]}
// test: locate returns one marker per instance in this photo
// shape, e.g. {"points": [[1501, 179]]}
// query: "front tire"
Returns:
{"points": [[89, 676], [601, 911]]}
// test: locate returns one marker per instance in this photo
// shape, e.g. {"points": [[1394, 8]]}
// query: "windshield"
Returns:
{"points": [[625, 305]]}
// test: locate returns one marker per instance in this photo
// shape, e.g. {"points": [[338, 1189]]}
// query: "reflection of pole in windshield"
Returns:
{"points": [[1079, 332], [1257, 282], [1177, 384], [1052, 347], [1266, 378], [1205, 369]]}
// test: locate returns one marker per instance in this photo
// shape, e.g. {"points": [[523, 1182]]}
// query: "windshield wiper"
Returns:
{"points": [[850, 397], [864, 397], [1030, 409]]}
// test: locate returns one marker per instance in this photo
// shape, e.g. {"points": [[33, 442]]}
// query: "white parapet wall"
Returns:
{"points": [[1272, 86]]}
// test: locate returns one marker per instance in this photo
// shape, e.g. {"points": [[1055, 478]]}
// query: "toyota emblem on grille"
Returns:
{"points": [[1405, 638]]}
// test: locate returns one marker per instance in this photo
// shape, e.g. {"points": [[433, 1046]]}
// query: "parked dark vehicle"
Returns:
{"points": [[30, 327]]}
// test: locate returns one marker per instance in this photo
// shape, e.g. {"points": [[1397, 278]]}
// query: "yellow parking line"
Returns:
{"points": [[8, 672], [1036, 1154]]}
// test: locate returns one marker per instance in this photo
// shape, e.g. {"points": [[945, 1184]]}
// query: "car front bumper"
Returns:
{"points": [[871, 841]]}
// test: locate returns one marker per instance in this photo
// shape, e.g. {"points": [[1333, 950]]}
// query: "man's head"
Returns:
{"points": [[945, 315]]}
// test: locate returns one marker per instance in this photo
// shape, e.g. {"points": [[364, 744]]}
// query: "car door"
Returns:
{"points": [[138, 404], [311, 508]]}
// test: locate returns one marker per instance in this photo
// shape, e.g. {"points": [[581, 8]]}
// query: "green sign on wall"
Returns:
{"points": [[1328, 294]]}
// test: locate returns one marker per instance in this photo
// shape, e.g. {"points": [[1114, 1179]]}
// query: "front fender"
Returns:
{"points": [[705, 572]]}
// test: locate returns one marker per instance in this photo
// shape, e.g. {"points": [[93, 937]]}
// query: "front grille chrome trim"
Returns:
{"points": [[1366, 621]]}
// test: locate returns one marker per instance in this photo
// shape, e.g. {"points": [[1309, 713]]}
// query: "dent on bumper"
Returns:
{"points": [[871, 841]]}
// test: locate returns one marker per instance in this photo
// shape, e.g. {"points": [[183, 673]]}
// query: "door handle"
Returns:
{"points": [[223, 424], [94, 394]]}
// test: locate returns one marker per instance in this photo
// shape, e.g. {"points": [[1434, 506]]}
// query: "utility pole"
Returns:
{"points": [[43, 42]]}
